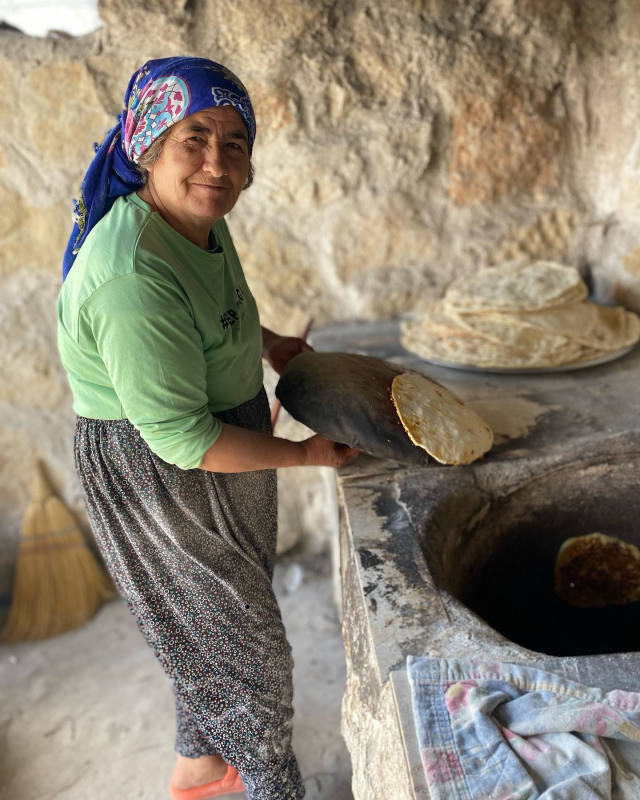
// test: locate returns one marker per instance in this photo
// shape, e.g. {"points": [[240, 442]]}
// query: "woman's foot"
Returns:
{"points": [[191, 772]]}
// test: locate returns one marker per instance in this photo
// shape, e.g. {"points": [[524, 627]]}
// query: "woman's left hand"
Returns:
{"points": [[282, 349]]}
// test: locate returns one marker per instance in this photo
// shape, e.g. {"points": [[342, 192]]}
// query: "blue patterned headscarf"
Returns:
{"points": [[159, 94]]}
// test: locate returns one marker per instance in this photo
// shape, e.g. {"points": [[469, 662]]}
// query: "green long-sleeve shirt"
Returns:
{"points": [[153, 329]]}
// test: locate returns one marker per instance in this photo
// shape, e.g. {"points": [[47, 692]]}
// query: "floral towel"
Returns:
{"points": [[506, 732]]}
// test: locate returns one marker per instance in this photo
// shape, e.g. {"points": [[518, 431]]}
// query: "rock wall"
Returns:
{"points": [[399, 145]]}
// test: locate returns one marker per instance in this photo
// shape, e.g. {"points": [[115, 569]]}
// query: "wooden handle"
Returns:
{"points": [[41, 486], [275, 411]]}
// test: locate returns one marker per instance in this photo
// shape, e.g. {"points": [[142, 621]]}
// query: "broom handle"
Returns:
{"points": [[41, 486], [275, 411]]}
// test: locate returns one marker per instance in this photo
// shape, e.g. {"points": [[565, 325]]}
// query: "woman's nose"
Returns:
{"points": [[214, 160]]}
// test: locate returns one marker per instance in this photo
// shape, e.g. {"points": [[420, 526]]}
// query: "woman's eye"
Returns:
{"points": [[195, 139], [235, 145]]}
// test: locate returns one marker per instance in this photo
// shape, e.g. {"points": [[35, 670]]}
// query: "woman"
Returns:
{"points": [[161, 339]]}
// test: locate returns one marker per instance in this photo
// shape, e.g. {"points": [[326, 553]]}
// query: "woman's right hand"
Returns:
{"points": [[241, 450], [320, 452]]}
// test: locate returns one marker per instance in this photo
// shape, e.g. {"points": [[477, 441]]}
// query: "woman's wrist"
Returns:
{"points": [[304, 453], [268, 340], [241, 450]]}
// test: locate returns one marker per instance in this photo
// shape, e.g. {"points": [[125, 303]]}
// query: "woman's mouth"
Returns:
{"points": [[212, 187]]}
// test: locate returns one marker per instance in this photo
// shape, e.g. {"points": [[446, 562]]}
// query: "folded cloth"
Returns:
{"points": [[505, 732]]}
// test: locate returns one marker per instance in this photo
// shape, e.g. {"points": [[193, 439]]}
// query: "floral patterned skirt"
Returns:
{"points": [[192, 553]]}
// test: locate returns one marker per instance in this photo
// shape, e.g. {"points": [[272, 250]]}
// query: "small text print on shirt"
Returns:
{"points": [[230, 317]]}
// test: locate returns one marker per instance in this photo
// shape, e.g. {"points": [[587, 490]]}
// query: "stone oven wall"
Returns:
{"points": [[400, 144]]}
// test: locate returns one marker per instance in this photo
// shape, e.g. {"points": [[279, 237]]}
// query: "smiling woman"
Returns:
{"points": [[202, 166], [162, 343]]}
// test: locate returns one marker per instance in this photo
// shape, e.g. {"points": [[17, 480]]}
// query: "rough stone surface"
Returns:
{"points": [[399, 145], [370, 723]]}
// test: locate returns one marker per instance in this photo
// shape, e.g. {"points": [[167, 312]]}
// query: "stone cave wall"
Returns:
{"points": [[400, 144]]}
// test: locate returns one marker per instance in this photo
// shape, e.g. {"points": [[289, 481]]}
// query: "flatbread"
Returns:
{"points": [[477, 351], [604, 328], [597, 570], [520, 315], [516, 286], [503, 330], [439, 322], [438, 422], [347, 398], [633, 327]]}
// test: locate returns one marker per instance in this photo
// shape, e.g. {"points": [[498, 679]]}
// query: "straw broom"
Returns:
{"points": [[58, 584]]}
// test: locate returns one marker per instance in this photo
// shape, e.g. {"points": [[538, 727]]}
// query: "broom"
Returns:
{"points": [[58, 584]]}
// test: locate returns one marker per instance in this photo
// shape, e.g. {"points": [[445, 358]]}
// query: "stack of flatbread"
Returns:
{"points": [[520, 315]]}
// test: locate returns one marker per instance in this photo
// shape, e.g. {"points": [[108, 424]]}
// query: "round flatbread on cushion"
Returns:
{"points": [[516, 286], [347, 398], [438, 422]]}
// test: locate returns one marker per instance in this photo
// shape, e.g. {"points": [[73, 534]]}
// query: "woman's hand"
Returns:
{"points": [[320, 452], [241, 450], [279, 350]]}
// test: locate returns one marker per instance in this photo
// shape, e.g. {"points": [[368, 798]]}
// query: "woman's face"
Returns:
{"points": [[203, 166]]}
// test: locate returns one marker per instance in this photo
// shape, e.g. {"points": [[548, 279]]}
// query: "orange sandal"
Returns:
{"points": [[230, 784]]}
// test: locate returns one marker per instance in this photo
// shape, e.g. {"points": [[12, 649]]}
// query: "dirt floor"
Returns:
{"points": [[89, 715]]}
